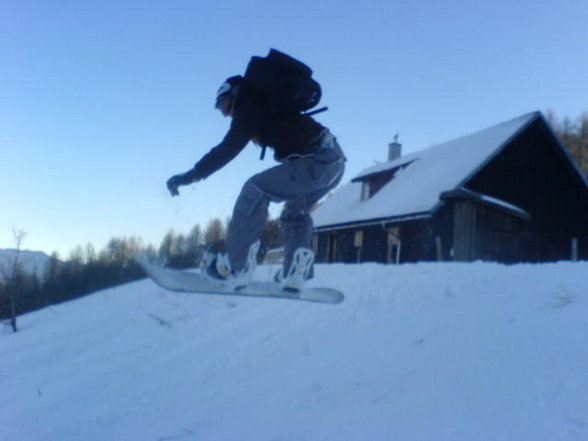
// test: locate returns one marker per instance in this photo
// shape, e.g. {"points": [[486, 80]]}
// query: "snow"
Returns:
{"points": [[429, 351], [417, 189], [499, 202]]}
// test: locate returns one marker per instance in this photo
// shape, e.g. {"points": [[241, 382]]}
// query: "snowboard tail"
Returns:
{"points": [[196, 283]]}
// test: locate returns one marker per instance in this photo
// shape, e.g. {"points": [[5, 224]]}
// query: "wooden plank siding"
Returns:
{"points": [[483, 233]]}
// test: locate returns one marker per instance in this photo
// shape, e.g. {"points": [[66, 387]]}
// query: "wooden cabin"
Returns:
{"points": [[508, 193]]}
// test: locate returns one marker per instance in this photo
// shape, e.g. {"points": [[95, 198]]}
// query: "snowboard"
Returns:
{"points": [[194, 282]]}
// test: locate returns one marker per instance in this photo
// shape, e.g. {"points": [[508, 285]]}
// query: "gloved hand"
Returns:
{"points": [[182, 179]]}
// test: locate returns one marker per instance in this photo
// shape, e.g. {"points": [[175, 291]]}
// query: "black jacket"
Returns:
{"points": [[252, 121]]}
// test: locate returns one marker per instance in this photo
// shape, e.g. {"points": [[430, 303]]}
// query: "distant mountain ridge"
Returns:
{"points": [[32, 262]]}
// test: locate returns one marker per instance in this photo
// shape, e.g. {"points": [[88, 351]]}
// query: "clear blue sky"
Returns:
{"points": [[101, 102]]}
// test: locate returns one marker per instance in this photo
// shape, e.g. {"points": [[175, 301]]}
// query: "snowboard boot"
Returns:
{"points": [[298, 272], [218, 267], [205, 261], [215, 266]]}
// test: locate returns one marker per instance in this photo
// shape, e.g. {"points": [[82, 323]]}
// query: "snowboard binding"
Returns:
{"points": [[298, 272], [217, 267]]}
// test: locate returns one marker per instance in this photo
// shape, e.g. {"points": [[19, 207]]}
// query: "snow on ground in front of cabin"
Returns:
{"points": [[430, 351]]}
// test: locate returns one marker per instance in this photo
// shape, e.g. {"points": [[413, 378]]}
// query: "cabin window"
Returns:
{"points": [[365, 190], [370, 185], [358, 240]]}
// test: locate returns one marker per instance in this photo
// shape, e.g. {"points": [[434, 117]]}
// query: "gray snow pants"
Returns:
{"points": [[300, 182]]}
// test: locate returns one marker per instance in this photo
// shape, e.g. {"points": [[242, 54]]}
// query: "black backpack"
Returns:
{"points": [[286, 82]]}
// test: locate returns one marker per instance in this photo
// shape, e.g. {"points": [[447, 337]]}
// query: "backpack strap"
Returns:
{"points": [[314, 112]]}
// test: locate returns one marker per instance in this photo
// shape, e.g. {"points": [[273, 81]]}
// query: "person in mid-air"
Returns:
{"points": [[311, 164]]}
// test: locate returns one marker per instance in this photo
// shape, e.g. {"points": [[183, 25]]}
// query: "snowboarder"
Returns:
{"points": [[311, 164]]}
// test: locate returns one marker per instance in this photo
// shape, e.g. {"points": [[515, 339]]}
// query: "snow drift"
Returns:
{"points": [[416, 352]]}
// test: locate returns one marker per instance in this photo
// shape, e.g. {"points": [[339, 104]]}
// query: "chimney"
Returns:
{"points": [[394, 149]]}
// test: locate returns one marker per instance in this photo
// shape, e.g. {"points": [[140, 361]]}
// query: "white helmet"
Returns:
{"points": [[229, 88]]}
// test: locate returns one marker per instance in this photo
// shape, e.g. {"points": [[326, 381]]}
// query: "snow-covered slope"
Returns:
{"points": [[32, 262], [416, 352]]}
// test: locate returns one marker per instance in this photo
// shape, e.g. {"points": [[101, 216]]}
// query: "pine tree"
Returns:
{"points": [[574, 136], [214, 236], [194, 247], [166, 247]]}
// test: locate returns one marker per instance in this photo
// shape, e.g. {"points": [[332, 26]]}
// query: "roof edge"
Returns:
{"points": [[371, 222], [500, 204], [536, 115]]}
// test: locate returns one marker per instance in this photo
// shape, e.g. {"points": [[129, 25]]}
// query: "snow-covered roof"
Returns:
{"points": [[488, 200], [417, 187]]}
